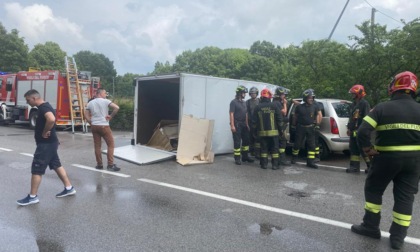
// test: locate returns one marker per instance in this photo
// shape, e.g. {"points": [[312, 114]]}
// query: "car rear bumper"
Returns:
{"points": [[338, 144]]}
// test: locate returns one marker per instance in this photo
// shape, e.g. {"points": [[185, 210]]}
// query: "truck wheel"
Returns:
{"points": [[32, 119], [324, 152], [2, 121]]}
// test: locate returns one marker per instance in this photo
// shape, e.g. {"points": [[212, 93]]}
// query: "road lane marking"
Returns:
{"points": [[4, 149], [27, 154], [103, 171], [269, 208]]}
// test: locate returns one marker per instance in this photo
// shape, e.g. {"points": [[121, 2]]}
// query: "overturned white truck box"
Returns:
{"points": [[169, 97]]}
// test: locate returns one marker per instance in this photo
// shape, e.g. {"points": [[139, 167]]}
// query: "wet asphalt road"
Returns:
{"points": [[169, 207]]}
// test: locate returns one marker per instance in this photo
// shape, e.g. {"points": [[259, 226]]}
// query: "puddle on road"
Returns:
{"points": [[298, 194], [265, 229], [45, 245]]}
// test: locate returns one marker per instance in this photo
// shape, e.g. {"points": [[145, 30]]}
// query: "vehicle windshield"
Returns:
{"points": [[342, 109]]}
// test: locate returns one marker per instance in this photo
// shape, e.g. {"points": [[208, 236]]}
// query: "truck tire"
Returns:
{"points": [[32, 119]]}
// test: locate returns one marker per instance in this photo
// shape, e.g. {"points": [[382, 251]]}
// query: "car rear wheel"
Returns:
{"points": [[324, 152]]}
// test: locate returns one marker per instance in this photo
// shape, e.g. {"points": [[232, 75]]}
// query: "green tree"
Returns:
{"points": [[99, 65], [13, 51], [124, 87], [48, 56], [323, 66], [161, 68]]}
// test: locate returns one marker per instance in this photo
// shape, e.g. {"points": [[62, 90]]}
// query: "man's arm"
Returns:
{"points": [[49, 124], [232, 122], [115, 109], [88, 116]]}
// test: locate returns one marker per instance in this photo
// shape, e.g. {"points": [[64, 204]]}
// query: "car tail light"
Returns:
{"points": [[333, 125]]}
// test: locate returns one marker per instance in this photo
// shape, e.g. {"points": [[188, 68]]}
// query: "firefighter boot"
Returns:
{"points": [[264, 163], [294, 158], [238, 160], [283, 160], [369, 226], [275, 163], [310, 162], [354, 167], [398, 233], [246, 158], [368, 165]]}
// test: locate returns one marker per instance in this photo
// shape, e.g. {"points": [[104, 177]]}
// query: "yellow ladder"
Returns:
{"points": [[75, 97]]}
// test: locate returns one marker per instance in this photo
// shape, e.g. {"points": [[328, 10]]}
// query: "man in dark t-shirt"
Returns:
{"points": [[46, 150], [238, 117]]}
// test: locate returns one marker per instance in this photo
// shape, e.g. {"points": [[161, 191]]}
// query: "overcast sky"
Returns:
{"points": [[134, 34]]}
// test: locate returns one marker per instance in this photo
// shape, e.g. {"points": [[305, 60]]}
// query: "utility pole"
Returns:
{"points": [[372, 24], [338, 20]]}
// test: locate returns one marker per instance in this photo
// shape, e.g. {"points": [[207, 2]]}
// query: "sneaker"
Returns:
{"points": [[99, 167], [66, 192], [28, 200], [113, 168]]}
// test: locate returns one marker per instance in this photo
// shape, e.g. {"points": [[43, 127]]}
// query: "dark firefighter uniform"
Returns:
{"points": [[266, 123], [304, 118], [358, 110], [280, 104], [396, 157], [237, 108], [251, 104]]}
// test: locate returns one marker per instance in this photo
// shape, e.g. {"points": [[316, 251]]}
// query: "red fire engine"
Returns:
{"points": [[54, 87]]}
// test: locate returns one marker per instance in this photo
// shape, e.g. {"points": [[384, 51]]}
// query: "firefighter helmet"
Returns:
{"points": [[307, 93], [404, 81], [266, 93], [253, 90], [241, 89], [280, 90], [358, 90]]}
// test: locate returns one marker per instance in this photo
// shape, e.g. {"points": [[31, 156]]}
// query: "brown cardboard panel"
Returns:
{"points": [[164, 132], [195, 139]]}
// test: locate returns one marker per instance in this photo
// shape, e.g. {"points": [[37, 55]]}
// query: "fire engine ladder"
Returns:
{"points": [[75, 97]]}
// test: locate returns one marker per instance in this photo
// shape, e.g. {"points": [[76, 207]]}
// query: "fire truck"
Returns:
{"points": [[68, 93]]}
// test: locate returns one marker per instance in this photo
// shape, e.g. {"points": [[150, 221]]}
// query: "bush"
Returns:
{"points": [[124, 120]]}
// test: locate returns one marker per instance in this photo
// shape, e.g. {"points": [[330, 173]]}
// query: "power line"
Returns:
{"points": [[376, 9]]}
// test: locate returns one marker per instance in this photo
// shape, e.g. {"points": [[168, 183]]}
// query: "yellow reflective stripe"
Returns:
{"points": [[398, 148], [295, 152], [369, 120], [257, 145], [281, 150], [373, 207], [401, 219], [237, 152], [275, 155], [355, 133], [354, 158], [393, 126], [245, 148], [268, 133], [264, 155]]}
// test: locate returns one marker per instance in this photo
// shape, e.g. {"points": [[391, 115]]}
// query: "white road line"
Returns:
{"points": [[269, 208], [328, 166], [4, 149], [27, 154], [103, 171]]}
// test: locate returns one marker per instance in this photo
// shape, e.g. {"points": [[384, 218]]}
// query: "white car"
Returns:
{"points": [[333, 129]]}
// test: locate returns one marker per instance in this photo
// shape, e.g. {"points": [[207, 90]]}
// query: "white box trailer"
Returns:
{"points": [[169, 97]]}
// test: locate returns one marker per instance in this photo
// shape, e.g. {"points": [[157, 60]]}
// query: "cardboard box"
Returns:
{"points": [[165, 136], [195, 141]]}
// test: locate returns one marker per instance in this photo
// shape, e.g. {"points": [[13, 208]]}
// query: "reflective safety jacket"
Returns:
{"points": [[397, 125], [267, 119]]}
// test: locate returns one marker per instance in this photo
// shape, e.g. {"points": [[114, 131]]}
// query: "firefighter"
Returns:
{"points": [[280, 100], [266, 123], [305, 116], [251, 103], [358, 110], [395, 157], [239, 126]]}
